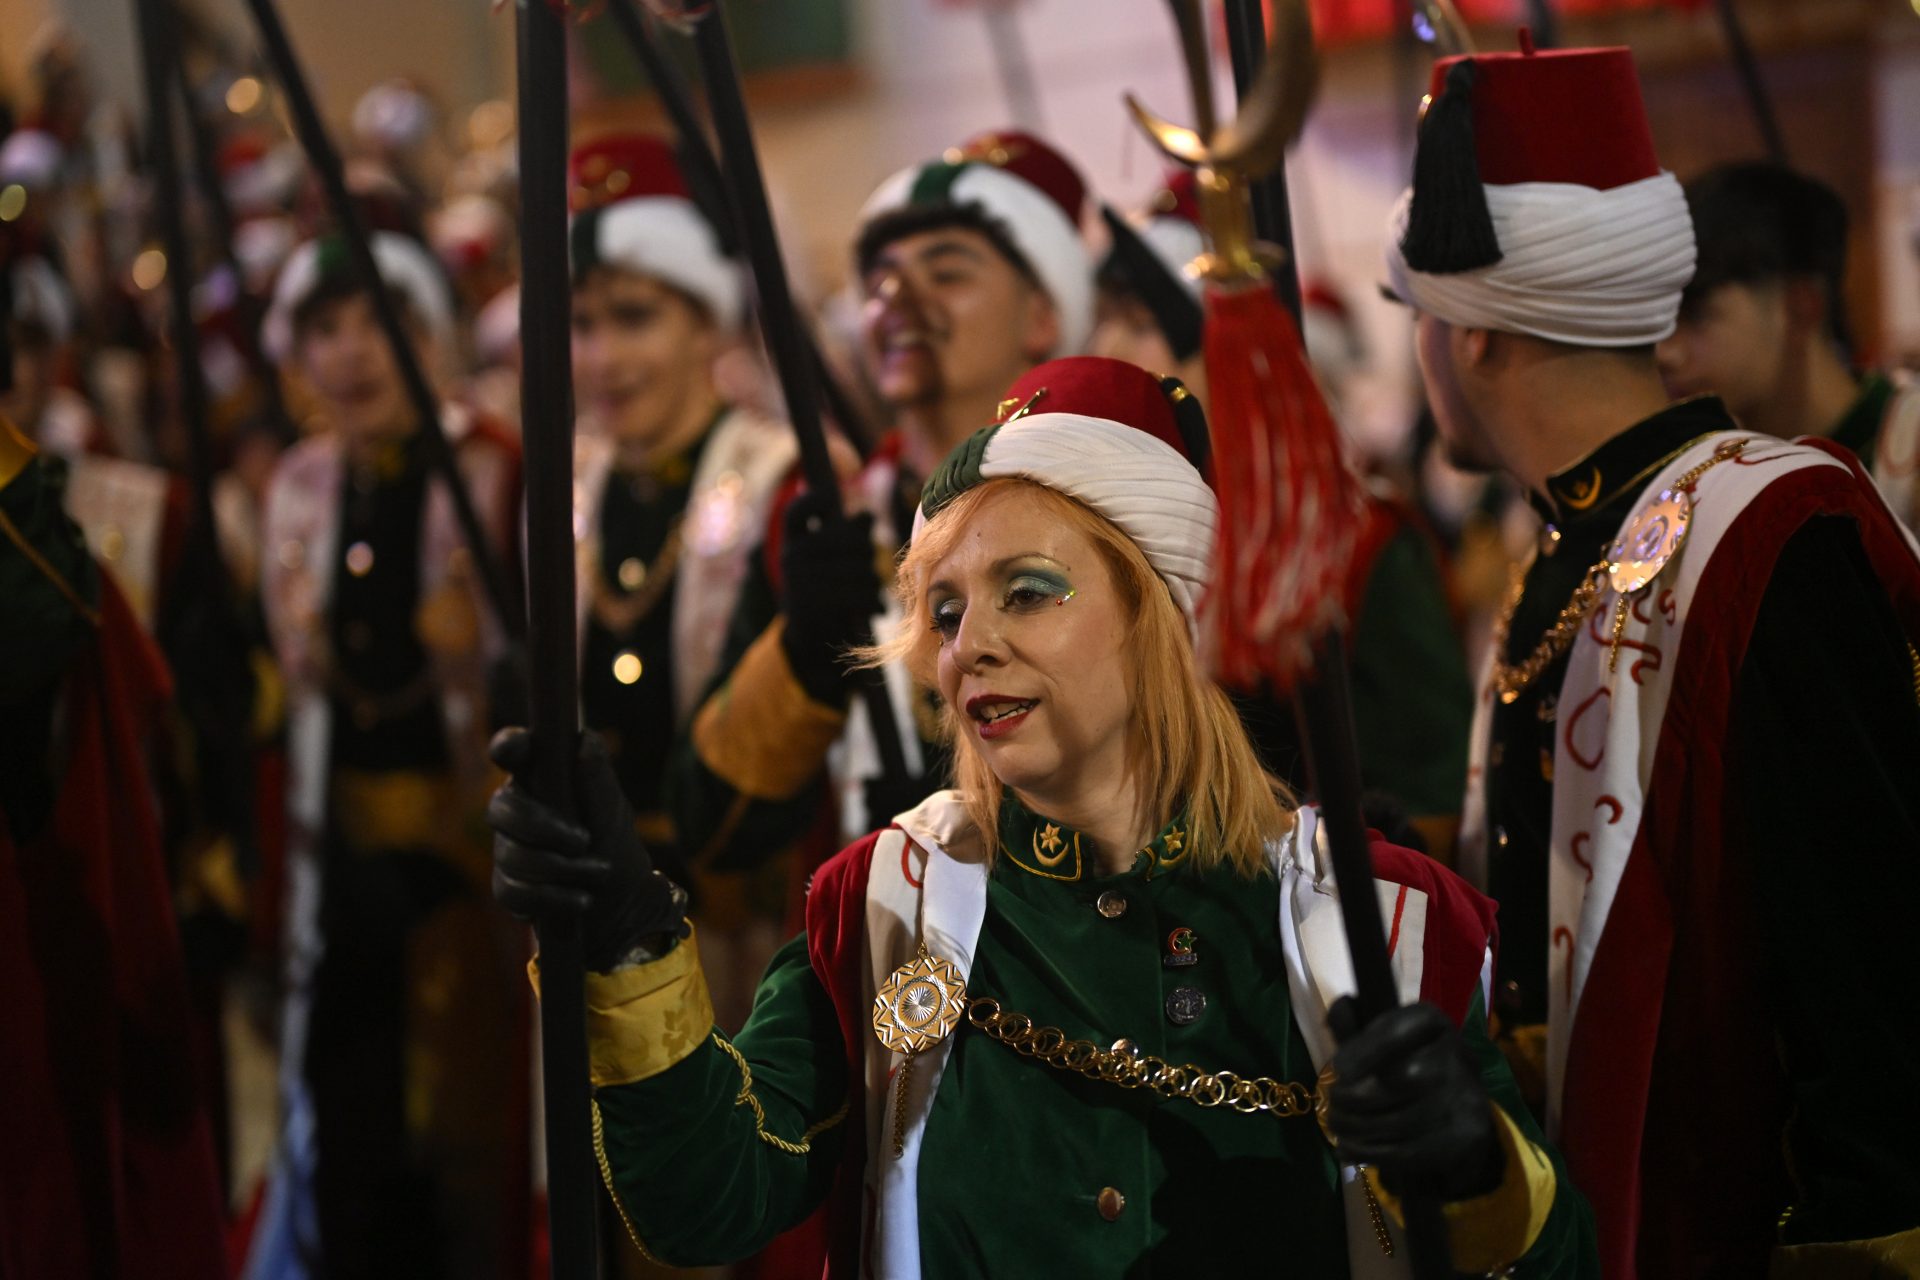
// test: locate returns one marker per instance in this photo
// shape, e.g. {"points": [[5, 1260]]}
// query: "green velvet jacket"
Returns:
{"points": [[715, 1147]]}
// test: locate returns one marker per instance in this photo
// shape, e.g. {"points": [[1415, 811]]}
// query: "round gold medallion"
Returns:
{"points": [[1652, 538], [919, 1005]]}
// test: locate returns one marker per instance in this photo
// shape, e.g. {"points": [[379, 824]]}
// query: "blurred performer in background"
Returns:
{"points": [[108, 1166], [1412, 697], [674, 486], [403, 1064], [1704, 680], [1763, 325], [974, 270]]}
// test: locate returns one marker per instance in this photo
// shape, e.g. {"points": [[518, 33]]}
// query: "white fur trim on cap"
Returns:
{"points": [[1578, 265], [405, 266], [1137, 481], [1039, 229], [669, 239], [1176, 242], [40, 295]]}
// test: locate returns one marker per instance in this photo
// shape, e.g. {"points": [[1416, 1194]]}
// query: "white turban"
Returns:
{"points": [[1137, 481], [1578, 265]]}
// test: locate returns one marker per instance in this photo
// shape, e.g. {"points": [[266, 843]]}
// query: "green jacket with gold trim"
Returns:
{"points": [[1008, 1165]]}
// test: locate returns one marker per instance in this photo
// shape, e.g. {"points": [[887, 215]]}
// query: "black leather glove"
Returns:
{"points": [[545, 865], [832, 592], [1407, 1098]]}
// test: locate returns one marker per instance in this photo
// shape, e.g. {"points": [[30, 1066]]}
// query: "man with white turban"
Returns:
{"points": [[1696, 778]]}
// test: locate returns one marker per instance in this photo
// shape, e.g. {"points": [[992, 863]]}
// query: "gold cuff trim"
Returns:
{"points": [[746, 1098], [1881, 1258], [1490, 1232], [16, 451], [760, 731], [644, 1019]]}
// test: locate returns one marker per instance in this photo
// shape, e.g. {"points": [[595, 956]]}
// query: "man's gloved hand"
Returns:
{"points": [[832, 592], [545, 865], [1407, 1098]]}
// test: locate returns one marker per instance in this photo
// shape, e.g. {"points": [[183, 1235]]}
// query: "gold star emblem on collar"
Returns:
{"points": [[1050, 838]]}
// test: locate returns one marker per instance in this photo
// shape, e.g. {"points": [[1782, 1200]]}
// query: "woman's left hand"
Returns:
{"points": [[1407, 1097]]}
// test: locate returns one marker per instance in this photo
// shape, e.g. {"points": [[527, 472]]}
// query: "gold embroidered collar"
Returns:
{"points": [[1054, 851]]}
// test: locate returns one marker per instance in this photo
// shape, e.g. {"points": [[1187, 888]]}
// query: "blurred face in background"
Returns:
{"points": [[343, 355], [643, 357], [948, 317], [1125, 329], [1733, 342]]}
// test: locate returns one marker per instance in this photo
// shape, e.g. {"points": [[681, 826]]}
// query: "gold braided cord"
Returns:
{"points": [[1132, 1070], [1512, 680], [606, 1176], [746, 1098]]}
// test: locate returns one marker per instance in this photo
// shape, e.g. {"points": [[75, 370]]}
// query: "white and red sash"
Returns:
{"points": [[741, 467], [925, 879], [1636, 790]]}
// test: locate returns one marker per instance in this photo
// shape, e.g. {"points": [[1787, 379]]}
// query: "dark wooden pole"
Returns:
{"points": [[325, 160], [220, 213], [546, 383], [156, 49], [779, 323], [1752, 82], [704, 175], [1272, 217], [1324, 702]]}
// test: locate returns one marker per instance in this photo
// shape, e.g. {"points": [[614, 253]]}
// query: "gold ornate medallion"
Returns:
{"points": [[919, 1005], [1651, 539]]}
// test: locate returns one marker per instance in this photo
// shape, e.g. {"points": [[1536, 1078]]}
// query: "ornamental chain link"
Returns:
{"points": [[1134, 1070]]}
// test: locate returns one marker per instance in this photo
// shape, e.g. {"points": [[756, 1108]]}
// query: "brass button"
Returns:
{"points": [[632, 574], [1110, 1202], [1112, 904]]}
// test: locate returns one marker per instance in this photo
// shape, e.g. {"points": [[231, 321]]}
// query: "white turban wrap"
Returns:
{"points": [[1582, 266], [1137, 481]]}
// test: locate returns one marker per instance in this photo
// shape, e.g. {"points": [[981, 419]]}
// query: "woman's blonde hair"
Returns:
{"points": [[1186, 746]]}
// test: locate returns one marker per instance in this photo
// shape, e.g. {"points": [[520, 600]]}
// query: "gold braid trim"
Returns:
{"points": [[606, 1176], [746, 1098]]}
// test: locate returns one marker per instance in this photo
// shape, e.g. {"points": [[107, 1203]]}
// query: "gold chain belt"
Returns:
{"points": [[1131, 1069]]}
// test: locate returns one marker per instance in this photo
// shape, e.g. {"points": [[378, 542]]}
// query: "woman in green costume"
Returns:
{"points": [[1072, 1016]]}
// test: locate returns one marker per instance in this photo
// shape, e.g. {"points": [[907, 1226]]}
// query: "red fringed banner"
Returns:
{"points": [[1291, 508]]}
